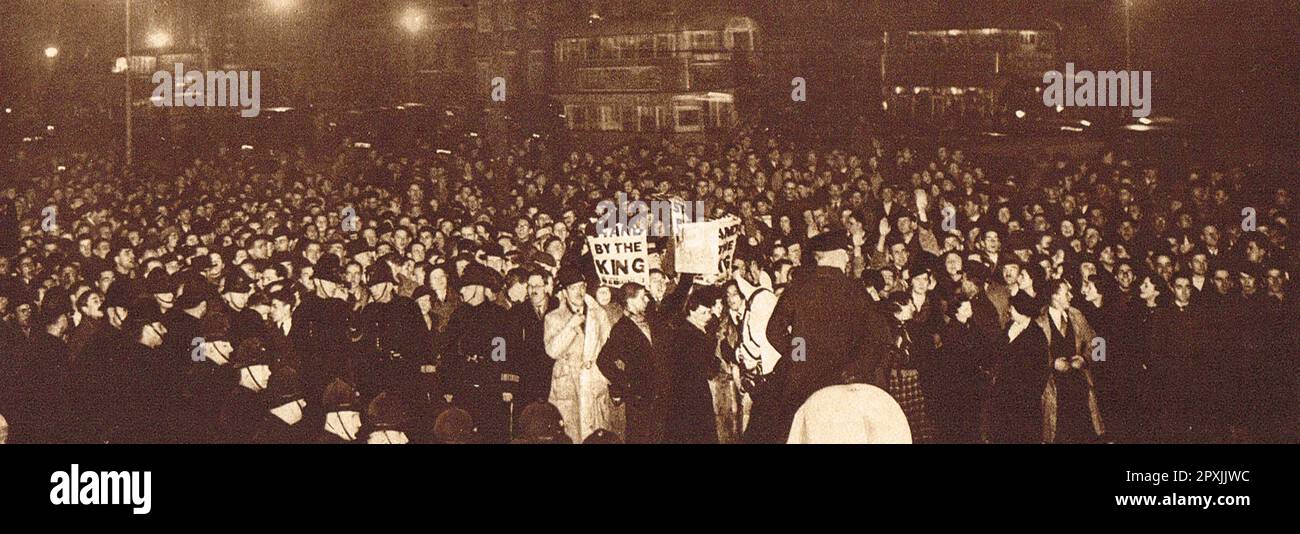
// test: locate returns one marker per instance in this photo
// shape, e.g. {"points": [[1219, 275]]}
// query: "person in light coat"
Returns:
{"points": [[574, 333]]}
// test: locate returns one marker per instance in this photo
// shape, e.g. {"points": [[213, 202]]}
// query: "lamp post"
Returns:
{"points": [[279, 55], [413, 21], [127, 72], [1128, 34]]}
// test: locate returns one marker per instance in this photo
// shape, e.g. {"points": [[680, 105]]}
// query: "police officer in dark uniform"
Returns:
{"points": [[341, 422], [390, 323], [8, 222], [243, 402], [283, 421], [98, 377], [829, 334], [324, 316], [526, 339], [476, 364]]}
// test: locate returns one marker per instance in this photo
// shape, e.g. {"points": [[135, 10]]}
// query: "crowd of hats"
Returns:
{"points": [[185, 219]]}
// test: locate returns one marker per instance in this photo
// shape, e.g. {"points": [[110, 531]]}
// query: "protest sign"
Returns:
{"points": [[707, 248], [620, 259]]}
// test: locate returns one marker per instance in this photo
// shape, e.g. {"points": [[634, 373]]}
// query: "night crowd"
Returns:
{"points": [[349, 295]]}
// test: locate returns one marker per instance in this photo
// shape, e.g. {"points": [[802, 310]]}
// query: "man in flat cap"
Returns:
{"points": [[825, 326]]}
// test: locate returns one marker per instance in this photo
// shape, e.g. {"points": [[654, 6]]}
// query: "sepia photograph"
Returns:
{"points": [[1025, 228]]}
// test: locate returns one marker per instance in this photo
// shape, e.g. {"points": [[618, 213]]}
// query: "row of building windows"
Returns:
{"points": [[968, 40], [688, 117], [645, 46], [501, 15]]}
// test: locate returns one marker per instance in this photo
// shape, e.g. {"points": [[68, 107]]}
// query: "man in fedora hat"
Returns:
{"points": [[574, 334], [236, 290], [147, 412], [322, 318]]}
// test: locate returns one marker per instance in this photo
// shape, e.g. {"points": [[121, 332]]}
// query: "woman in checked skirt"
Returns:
{"points": [[905, 367]]}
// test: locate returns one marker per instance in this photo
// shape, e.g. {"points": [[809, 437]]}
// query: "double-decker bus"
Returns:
{"points": [[672, 75]]}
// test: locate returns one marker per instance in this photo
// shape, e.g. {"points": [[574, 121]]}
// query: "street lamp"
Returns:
{"points": [[412, 20], [158, 39], [281, 6], [51, 52]]}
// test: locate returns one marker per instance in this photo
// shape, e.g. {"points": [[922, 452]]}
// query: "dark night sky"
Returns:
{"points": [[1221, 58]]}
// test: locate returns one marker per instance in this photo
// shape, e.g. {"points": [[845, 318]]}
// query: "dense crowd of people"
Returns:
{"points": [[357, 296]]}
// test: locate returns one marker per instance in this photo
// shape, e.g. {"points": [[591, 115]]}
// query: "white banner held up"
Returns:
{"points": [[707, 247], [620, 259]]}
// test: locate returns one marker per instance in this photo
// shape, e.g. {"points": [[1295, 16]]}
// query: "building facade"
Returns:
{"points": [[512, 42], [962, 75], [670, 74]]}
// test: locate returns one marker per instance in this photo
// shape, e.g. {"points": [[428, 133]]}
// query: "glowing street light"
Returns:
{"points": [[281, 6], [412, 20], [158, 39], [52, 52]]}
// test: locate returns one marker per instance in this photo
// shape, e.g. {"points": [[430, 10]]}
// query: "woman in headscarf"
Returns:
{"points": [[1018, 386], [442, 301], [691, 417]]}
